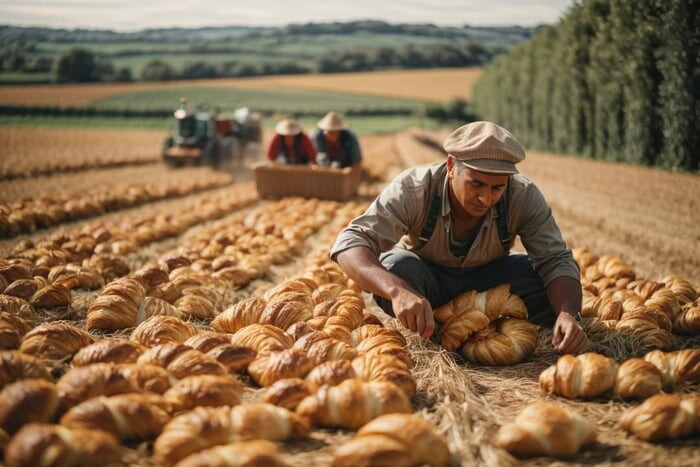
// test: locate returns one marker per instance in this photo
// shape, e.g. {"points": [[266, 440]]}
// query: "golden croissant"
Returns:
{"points": [[271, 366], [108, 351], [126, 416], [676, 367], [385, 368], [43, 445], [51, 296], [27, 401], [194, 306], [506, 341], [204, 390], [218, 345], [15, 365], [18, 307], [331, 373], [353, 403], [592, 375], [12, 329], [241, 454], [321, 348], [206, 427], [106, 379], [182, 360], [284, 314], [376, 444], [261, 337], [470, 312], [682, 288], [154, 306], [243, 314], [299, 330], [371, 330], [688, 320], [159, 330], [664, 417], [287, 393], [55, 341], [117, 306], [545, 429]]}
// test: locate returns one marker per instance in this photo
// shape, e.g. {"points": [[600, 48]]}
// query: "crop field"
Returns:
{"points": [[432, 85], [116, 263]]}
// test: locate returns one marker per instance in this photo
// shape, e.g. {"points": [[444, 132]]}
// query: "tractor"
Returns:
{"points": [[203, 137]]}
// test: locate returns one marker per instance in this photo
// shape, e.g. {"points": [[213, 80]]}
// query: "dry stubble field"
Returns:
{"points": [[646, 216]]}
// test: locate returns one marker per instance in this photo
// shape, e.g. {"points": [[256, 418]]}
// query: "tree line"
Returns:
{"points": [[614, 79]]}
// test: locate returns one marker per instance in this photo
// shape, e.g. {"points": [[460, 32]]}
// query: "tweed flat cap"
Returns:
{"points": [[486, 147]]}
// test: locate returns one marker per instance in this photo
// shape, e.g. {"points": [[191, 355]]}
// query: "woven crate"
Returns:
{"points": [[308, 181]]}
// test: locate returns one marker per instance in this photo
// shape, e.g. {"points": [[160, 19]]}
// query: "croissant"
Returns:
{"points": [[383, 345], [320, 347], [204, 390], [26, 401], [163, 330], [347, 311], [25, 288], [241, 454], [369, 318], [108, 350], [676, 367], [688, 320], [591, 375], [385, 368], [664, 417], [331, 373], [206, 427], [154, 306], [167, 291], [242, 314], [12, 329], [299, 285], [545, 429], [117, 306], [151, 276], [15, 365], [471, 312], [18, 307], [55, 341], [181, 360], [613, 266], [505, 342], [272, 366], [353, 403], [126, 416], [371, 330], [234, 358], [75, 276], [51, 296], [684, 290], [326, 292], [39, 444], [299, 330], [604, 307], [285, 313], [375, 444], [106, 379], [287, 393], [261, 337], [194, 306]]}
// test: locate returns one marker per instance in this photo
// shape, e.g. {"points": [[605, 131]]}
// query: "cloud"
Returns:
{"points": [[135, 14]]}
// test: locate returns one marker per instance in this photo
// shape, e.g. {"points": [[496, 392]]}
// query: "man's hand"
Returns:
{"points": [[414, 312], [568, 335]]}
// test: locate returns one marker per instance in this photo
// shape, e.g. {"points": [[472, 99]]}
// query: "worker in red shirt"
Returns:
{"points": [[291, 145]]}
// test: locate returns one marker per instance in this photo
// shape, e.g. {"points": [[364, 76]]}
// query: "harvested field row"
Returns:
{"points": [[26, 152]]}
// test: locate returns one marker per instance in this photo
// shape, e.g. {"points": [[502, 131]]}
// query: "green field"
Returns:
{"points": [[301, 101]]}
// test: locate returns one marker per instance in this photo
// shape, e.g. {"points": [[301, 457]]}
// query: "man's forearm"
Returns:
{"points": [[362, 266], [564, 295]]}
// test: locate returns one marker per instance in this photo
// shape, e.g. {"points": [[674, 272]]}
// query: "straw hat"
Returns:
{"points": [[486, 147], [332, 121], [288, 126]]}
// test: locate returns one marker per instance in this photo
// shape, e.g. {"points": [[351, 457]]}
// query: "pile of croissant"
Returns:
{"points": [[29, 215], [647, 309], [488, 327]]}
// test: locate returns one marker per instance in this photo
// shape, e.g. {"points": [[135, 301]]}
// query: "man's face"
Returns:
{"points": [[473, 191]]}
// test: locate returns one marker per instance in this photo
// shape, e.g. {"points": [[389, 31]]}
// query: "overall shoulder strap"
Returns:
{"points": [[502, 221], [433, 213]]}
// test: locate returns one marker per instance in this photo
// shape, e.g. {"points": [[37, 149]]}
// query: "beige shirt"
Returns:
{"points": [[396, 219]]}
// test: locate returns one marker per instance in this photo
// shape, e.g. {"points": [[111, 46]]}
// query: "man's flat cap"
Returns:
{"points": [[486, 147]]}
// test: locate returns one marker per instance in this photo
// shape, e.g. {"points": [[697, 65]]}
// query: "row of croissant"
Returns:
{"points": [[38, 278], [28, 215], [316, 300], [547, 429], [622, 303]]}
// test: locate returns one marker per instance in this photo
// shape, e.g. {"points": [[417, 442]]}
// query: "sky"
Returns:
{"points": [[133, 15]]}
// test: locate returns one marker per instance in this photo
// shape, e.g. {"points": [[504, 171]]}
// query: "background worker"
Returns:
{"points": [[442, 229], [291, 145], [336, 145]]}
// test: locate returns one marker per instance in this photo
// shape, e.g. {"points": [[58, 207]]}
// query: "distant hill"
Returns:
{"points": [[210, 52]]}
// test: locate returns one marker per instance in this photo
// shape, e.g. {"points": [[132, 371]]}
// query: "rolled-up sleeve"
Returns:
{"points": [[383, 224], [542, 239]]}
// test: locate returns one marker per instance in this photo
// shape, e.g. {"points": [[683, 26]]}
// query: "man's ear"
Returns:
{"points": [[450, 167]]}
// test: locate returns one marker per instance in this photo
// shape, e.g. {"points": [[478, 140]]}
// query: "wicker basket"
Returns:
{"points": [[308, 181]]}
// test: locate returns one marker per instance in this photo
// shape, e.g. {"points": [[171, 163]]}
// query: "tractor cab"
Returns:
{"points": [[192, 128]]}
